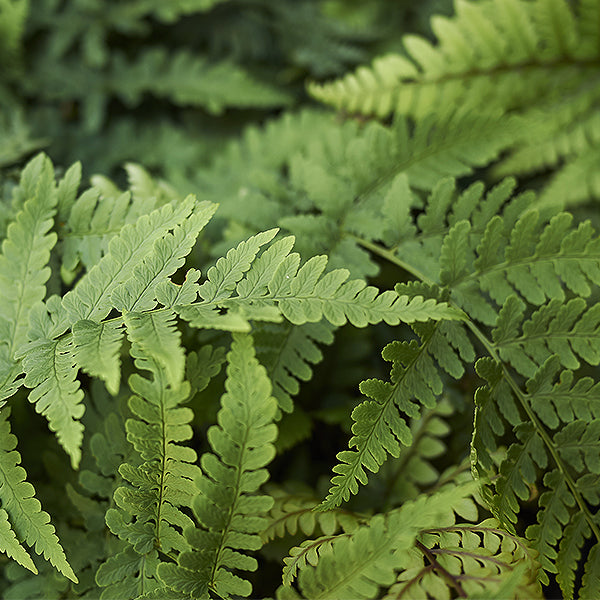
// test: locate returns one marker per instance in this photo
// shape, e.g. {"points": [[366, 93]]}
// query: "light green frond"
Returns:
{"points": [[157, 338], [138, 292], [91, 297], [223, 277], [30, 523], [51, 373], [9, 544], [478, 61], [361, 563], [229, 512], [26, 252], [99, 214], [477, 560]]}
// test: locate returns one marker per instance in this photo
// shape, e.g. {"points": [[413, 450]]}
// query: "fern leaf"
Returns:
{"points": [[228, 510], [127, 574], [23, 261], [223, 277], [99, 214], [591, 581], [157, 337], [91, 297], [149, 515], [475, 560], [31, 524], [308, 552], [380, 428], [294, 510], [362, 562], [579, 445], [569, 553], [479, 58], [11, 546], [50, 367], [137, 294], [191, 79]]}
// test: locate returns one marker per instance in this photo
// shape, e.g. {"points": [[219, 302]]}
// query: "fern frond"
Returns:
{"points": [[158, 338], [168, 254], [97, 349], [293, 511], [50, 367], [476, 560], [23, 262], [562, 329], [574, 448], [379, 425], [9, 544], [360, 563], [189, 79], [414, 470], [99, 213], [478, 61], [287, 352], [91, 297], [229, 512], [30, 523], [149, 515]]}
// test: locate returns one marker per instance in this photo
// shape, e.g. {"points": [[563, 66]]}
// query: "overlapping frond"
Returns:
{"points": [[471, 559], [24, 263], [571, 412], [565, 330], [230, 513], [357, 565], [288, 353], [380, 424], [149, 515]]}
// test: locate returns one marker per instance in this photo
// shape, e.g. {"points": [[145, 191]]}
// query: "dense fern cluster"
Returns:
{"points": [[352, 354]]}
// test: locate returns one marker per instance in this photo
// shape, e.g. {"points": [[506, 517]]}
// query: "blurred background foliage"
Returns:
{"points": [[167, 83]]}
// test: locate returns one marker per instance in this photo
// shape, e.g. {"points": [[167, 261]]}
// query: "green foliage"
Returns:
{"points": [[479, 63], [387, 299]]}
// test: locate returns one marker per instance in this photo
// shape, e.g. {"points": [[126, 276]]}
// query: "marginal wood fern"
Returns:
{"points": [[355, 348]]}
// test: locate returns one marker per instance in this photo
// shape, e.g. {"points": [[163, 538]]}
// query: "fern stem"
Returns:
{"points": [[443, 572], [391, 257]]}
